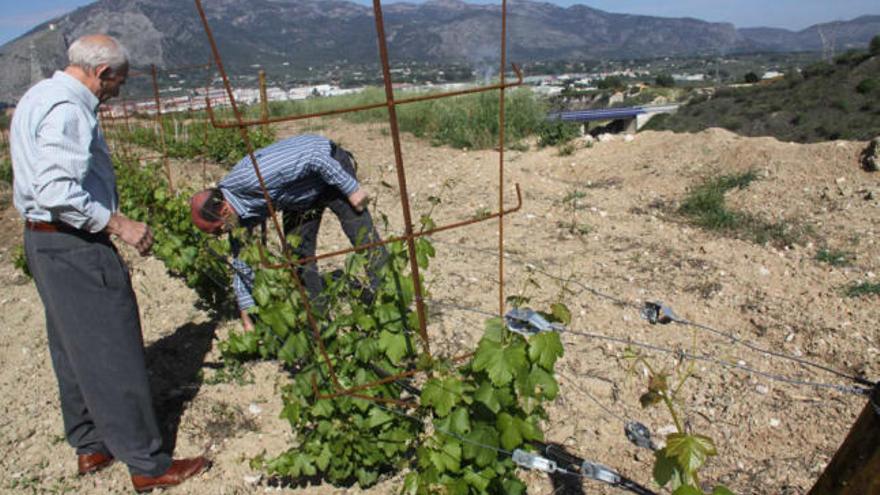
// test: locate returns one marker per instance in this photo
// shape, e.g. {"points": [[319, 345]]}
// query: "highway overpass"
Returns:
{"points": [[633, 118]]}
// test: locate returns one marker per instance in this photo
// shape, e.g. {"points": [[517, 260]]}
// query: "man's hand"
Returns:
{"points": [[359, 199], [136, 234], [247, 322]]}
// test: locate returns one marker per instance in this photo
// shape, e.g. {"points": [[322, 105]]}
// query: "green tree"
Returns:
{"points": [[611, 82], [751, 78], [874, 47], [664, 80]]}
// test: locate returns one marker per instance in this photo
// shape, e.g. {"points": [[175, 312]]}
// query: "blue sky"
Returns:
{"points": [[20, 16]]}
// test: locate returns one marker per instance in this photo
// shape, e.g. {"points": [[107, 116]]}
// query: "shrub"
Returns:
{"points": [[566, 149], [818, 69], [751, 78], [556, 132], [851, 57], [834, 257], [611, 82], [874, 46], [665, 81], [863, 289], [6, 170], [867, 86]]}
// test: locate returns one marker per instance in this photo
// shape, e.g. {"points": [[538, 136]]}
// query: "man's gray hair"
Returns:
{"points": [[90, 51]]}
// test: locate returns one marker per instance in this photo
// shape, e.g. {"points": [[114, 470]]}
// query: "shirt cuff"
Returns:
{"points": [[349, 186], [245, 303], [98, 221]]}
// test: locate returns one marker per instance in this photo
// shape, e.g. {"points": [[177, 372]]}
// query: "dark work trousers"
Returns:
{"points": [[97, 349], [358, 227]]}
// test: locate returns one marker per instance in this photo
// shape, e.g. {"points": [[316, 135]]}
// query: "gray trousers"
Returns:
{"points": [[97, 349]]}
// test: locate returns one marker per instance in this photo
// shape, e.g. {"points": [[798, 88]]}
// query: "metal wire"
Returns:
{"points": [[698, 357], [755, 347], [736, 340], [710, 359], [595, 400]]}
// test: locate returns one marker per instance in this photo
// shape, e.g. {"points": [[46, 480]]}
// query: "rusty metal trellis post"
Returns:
{"points": [[409, 236], [501, 161], [161, 125], [264, 99], [401, 176]]}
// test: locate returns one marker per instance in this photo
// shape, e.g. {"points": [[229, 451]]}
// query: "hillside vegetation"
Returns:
{"points": [[825, 101]]}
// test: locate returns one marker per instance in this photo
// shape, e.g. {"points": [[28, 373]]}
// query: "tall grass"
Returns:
{"points": [[863, 289], [705, 203], [469, 121], [705, 207]]}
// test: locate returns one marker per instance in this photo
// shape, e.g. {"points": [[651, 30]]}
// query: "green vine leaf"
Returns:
{"points": [[691, 451], [378, 417], [448, 457], [515, 430], [323, 459], [494, 331], [666, 469], [301, 465], [687, 490], [545, 348], [481, 434], [486, 396], [513, 486], [442, 394], [561, 313], [540, 383], [500, 362], [722, 490], [460, 421], [393, 344], [480, 480]]}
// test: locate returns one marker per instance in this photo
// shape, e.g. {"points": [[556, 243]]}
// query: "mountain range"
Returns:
{"points": [[303, 33]]}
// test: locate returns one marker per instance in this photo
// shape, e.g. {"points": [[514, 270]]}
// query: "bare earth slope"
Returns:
{"points": [[772, 437]]}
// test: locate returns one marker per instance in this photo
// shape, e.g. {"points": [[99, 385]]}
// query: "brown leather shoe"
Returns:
{"points": [[92, 463], [180, 470]]}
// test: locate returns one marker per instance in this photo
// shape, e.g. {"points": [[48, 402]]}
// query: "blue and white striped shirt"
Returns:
{"points": [[296, 171], [61, 165]]}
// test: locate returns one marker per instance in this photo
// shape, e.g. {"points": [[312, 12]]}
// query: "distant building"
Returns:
{"points": [[689, 77]]}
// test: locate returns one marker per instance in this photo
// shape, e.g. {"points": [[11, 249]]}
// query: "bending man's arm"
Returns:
{"points": [[242, 285], [333, 173]]}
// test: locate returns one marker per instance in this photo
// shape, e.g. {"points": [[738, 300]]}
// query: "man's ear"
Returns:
{"points": [[226, 209], [103, 72]]}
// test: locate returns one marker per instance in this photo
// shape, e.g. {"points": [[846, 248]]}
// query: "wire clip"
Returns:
{"points": [[528, 322], [599, 472], [657, 312], [533, 461], [640, 435]]}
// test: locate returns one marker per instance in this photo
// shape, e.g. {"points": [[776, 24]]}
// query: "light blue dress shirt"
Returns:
{"points": [[61, 164]]}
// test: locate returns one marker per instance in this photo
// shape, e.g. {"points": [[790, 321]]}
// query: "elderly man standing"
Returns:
{"points": [[65, 189]]}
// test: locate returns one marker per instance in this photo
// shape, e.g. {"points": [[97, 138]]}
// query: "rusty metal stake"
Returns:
{"points": [[159, 123]]}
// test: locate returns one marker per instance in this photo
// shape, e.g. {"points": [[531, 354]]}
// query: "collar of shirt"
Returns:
{"points": [[78, 89], [236, 203]]}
